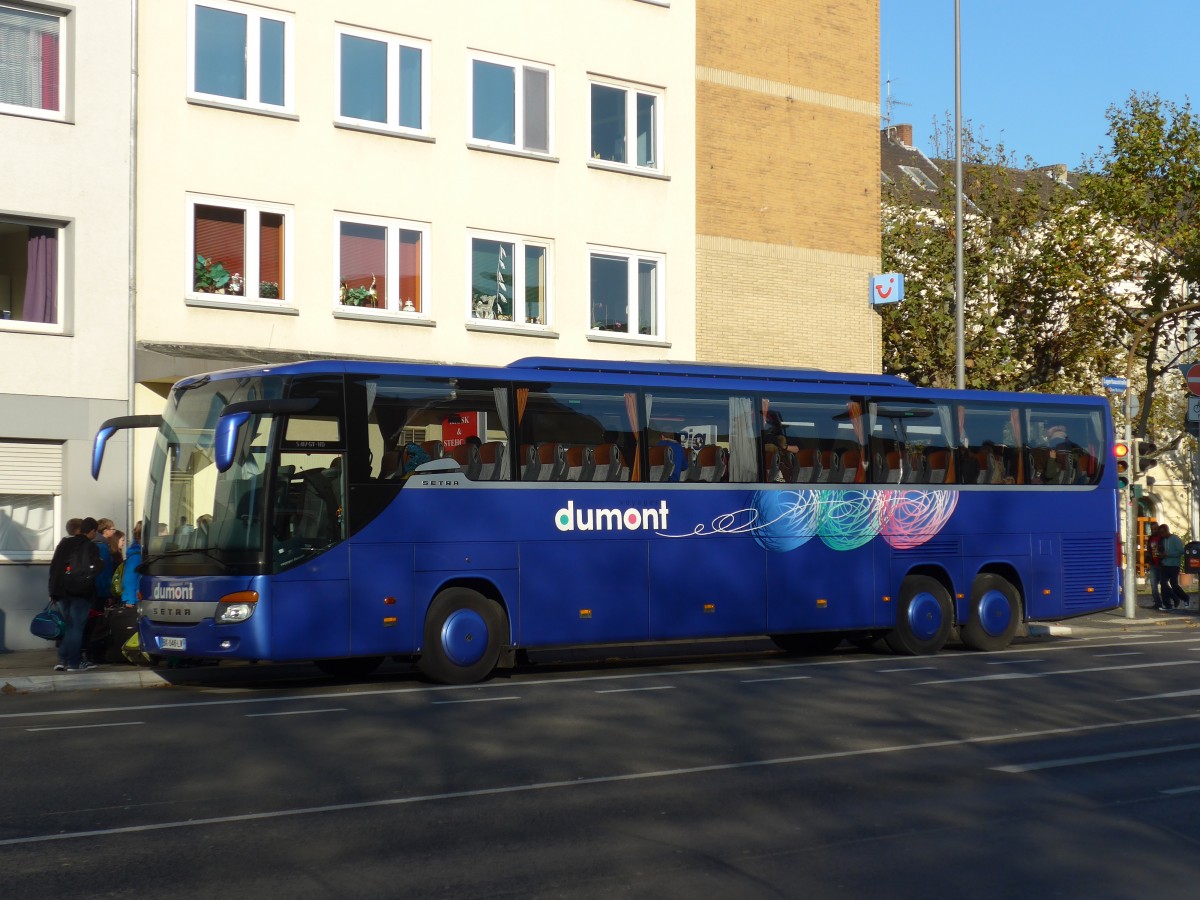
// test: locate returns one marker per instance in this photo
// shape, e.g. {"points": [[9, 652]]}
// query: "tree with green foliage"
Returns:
{"points": [[1041, 273], [1149, 183]]}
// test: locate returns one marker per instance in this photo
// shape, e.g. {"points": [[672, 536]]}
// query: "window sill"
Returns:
{"points": [[28, 112], [234, 106], [652, 174], [383, 315], [522, 330], [383, 130], [241, 304], [512, 151], [17, 326], [601, 337]]}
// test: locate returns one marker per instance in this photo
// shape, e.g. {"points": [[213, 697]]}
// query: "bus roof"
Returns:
{"points": [[666, 373]]}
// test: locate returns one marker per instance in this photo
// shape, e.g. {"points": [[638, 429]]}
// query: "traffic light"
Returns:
{"points": [[1145, 456], [1121, 451]]}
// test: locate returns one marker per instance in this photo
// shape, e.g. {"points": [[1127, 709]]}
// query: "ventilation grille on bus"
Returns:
{"points": [[937, 547], [1089, 569]]}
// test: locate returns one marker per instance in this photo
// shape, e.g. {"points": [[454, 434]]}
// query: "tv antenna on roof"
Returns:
{"points": [[890, 103]]}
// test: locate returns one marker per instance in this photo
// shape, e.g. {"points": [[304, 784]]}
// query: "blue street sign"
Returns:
{"points": [[1115, 383]]}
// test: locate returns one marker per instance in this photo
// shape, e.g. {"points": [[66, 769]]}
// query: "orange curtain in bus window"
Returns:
{"points": [[270, 256], [856, 420], [410, 270], [636, 428], [1014, 417], [220, 238], [522, 400]]}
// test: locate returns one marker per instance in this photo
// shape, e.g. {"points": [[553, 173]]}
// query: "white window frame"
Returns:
{"points": [[520, 243], [64, 56], [254, 16], [394, 43], [252, 209], [631, 96], [32, 469], [633, 258], [59, 326], [393, 303], [519, 67]]}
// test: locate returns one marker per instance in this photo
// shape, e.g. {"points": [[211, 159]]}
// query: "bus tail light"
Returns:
{"points": [[236, 607]]}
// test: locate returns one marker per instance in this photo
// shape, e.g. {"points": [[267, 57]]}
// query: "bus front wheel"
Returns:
{"points": [[994, 616], [464, 633], [923, 617]]}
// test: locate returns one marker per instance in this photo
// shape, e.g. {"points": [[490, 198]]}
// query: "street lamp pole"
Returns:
{"points": [[960, 365]]}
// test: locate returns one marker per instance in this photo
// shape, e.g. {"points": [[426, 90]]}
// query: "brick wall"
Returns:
{"points": [[787, 206]]}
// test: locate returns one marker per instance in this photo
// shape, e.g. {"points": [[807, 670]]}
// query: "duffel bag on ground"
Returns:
{"points": [[49, 623]]}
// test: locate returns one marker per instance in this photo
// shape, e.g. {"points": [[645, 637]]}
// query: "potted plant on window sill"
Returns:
{"points": [[211, 277], [364, 295]]}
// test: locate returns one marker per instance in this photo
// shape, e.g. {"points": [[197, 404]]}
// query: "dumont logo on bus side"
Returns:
{"points": [[597, 519]]}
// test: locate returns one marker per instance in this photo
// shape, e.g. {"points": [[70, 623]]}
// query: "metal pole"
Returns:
{"points": [[1128, 501], [960, 363]]}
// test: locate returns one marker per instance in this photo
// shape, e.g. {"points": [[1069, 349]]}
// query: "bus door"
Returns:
{"points": [[309, 558]]}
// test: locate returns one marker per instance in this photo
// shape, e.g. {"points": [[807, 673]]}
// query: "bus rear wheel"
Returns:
{"points": [[464, 633], [812, 644], [923, 618], [994, 616], [353, 667]]}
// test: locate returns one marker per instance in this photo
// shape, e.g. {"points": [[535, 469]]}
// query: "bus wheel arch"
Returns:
{"points": [[465, 634], [994, 612], [924, 615]]}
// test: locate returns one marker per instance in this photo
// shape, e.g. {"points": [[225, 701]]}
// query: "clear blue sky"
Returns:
{"points": [[1036, 74]]}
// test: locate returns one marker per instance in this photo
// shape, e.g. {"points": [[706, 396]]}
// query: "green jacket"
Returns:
{"points": [[1172, 550]]}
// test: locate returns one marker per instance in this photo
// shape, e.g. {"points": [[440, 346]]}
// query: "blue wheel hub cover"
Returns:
{"points": [[995, 612], [464, 637], [925, 616]]}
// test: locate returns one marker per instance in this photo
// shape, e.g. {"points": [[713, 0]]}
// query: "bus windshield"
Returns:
{"points": [[195, 516]]}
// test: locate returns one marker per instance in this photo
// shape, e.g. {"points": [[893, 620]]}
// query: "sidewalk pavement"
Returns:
{"points": [[32, 671]]}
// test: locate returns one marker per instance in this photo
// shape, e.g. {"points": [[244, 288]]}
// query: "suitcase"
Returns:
{"points": [[122, 623]]}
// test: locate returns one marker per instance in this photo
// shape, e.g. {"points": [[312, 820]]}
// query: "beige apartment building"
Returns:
{"points": [[65, 250], [467, 181]]}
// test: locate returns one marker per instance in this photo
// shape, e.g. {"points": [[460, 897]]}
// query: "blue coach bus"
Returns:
{"points": [[346, 511]]}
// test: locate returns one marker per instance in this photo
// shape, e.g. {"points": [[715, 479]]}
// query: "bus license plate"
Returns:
{"points": [[173, 643]]}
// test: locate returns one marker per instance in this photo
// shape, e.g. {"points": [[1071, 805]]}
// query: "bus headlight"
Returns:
{"points": [[236, 607]]}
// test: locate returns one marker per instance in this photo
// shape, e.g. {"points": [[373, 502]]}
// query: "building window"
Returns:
{"points": [[510, 279], [239, 249], [31, 274], [241, 55], [381, 264], [32, 62], [382, 81], [30, 500], [511, 103], [627, 293], [626, 125]]}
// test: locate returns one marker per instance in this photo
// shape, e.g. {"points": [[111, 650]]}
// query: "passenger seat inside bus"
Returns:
{"points": [[662, 464], [609, 466], [939, 466], [492, 461], [468, 459], [852, 470], [808, 465], [831, 467], [579, 464], [709, 464]]}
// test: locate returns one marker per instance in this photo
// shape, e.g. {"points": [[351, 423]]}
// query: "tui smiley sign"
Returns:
{"points": [[887, 288]]}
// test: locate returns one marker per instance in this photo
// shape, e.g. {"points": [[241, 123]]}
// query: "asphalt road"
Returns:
{"points": [[1064, 768]]}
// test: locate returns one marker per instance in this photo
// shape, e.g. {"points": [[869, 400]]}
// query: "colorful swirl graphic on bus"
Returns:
{"points": [[842, 519]]}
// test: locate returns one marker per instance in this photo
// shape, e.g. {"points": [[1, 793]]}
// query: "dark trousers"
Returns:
{"points": [[1172, 593], [1154, 576]]}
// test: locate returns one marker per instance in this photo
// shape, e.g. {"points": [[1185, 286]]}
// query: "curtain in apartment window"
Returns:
{"points": [[270, 256], [410, 270], [29, 59], [41, 276], [221, 238]]}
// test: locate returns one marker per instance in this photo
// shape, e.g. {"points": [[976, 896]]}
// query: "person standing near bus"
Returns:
{"points": [[1172, 556], [1154, 565]]}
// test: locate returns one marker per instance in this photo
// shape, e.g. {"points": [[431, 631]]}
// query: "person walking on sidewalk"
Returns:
{"points": [[1154, 565], [73, 586], [1172, 556]]}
